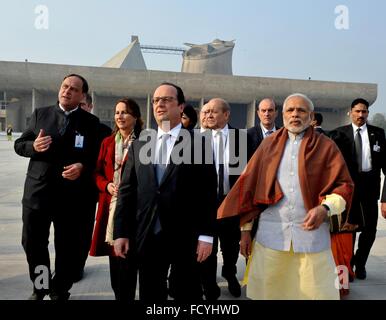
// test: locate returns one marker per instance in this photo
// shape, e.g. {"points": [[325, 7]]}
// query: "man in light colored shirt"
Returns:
{"points": [[364, 149], [215, 116], [295, 182]]}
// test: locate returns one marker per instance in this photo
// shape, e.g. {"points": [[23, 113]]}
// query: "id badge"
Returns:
{"points": [[376, 148], [79, 141]]}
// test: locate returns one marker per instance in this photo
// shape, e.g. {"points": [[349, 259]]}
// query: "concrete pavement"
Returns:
{"points": [[14, 279]]}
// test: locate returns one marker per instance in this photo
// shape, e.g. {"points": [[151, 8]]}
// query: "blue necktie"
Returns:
{"points": [[161, 159], [160, 164]]}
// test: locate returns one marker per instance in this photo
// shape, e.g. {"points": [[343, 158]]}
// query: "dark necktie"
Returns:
{"points": [[358, 149], [220, 161], [267, 133], [160, 165], [65, 122]]}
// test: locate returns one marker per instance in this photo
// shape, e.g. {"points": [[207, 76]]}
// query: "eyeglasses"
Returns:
{"points": [[163, 99]]}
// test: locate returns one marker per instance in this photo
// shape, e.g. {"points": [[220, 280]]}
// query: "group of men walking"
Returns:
{"points": [[175, 205]]}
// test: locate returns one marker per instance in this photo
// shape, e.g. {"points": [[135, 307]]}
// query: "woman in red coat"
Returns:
{"points": [[112, 155]]}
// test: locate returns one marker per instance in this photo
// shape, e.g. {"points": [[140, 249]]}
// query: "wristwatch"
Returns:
{"points": [[327, 208]]}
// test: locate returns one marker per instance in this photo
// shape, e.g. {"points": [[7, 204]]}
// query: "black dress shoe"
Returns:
{"points": [[59, 296], [234, 286], [212, 293], [360, 273], [37, 296]]}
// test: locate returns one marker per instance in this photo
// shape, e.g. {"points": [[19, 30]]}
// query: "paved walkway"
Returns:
{"points": [[14, 279]]}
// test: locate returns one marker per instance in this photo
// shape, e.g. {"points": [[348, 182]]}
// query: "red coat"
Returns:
{"points": [[103, 175]]}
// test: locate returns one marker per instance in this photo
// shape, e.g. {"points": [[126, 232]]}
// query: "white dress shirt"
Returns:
{"points": [[225, 139], [265, 130]]}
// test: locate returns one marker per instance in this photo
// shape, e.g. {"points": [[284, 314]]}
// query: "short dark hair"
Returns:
{"points": [[358, 101], [84, 81], [180, 93], [318, 117], [133, 109]]}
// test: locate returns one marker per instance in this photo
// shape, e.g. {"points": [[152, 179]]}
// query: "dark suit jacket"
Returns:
{"points": [[44, 184], [185, 201], [370, 188], [254, 138]]}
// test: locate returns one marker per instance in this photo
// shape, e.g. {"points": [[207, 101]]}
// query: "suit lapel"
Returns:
{"points": [[373, 141]]}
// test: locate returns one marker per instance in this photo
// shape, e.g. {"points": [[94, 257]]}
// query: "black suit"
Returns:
{"points": [[48, 197], [364, 209], [186, 209], [228, 230], [254, 137]]}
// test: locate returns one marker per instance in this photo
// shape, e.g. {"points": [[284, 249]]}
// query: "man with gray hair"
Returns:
{"points": [[295, 183], [215, 116]]}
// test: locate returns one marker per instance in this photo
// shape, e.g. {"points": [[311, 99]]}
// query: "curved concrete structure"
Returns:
{"points": [[35, 84], [214, 57]]}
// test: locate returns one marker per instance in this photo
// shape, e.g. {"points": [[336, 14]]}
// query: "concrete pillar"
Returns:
{"points": [[37, 99], [148, 111], [251, 114], [15, 117], [202, 102]]}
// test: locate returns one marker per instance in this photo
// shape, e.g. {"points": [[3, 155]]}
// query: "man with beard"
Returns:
{"points": [[295, 182]]}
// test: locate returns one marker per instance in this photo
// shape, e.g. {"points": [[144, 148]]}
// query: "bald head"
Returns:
{"points": [[267, 113], [217, 113]]}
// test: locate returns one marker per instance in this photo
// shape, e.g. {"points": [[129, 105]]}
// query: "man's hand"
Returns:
{"points": [[73, 171], [204, 249], [383, 209], [42, 142], [314, 218], [246, 243], [121, 247]]}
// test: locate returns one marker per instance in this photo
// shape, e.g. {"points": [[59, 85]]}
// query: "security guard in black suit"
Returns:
{"points": [[364, 149]]}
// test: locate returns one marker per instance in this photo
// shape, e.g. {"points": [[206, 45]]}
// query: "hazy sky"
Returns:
{"points": [[278, 38]]}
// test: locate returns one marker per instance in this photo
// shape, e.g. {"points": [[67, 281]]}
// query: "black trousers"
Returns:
{"points": [[85, 237], [368, 232], [228, 231], [35, 238], [123, 276], [160, 252]]}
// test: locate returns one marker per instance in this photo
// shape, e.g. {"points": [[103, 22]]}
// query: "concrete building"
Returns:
{"points": [[214, 57], [25, 86]]}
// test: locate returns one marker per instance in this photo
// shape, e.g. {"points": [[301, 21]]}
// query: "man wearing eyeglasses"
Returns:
{"points": [[164, 212]]}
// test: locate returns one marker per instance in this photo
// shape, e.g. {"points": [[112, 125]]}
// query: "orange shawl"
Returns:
{"points": [[322, 171]]}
